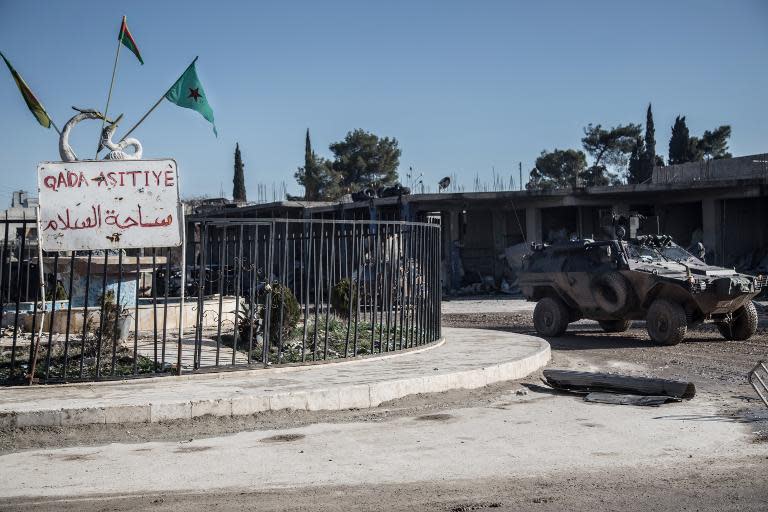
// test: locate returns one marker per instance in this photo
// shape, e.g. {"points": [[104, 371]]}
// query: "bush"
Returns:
{"points": [[342, 294], [282, 297], [100, 339], [248, 321]]}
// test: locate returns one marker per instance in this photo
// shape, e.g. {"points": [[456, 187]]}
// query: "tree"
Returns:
{"points": [[599, 176], [679, 142], [714, 144], [608, 148], [638, 170], [558, 168], [694, 153], [320, 181], [685, 148], [364, 160], [648, 156], [307, 175], [238, 189]]}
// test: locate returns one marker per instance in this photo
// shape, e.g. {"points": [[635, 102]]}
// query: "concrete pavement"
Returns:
{"points": [[468, 359], [513, 436], [495, 304]]}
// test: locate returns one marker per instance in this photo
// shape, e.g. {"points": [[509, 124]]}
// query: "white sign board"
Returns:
{"points": [[108, 204]]}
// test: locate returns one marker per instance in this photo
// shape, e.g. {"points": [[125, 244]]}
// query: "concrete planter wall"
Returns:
{"points": [[146, 316]]}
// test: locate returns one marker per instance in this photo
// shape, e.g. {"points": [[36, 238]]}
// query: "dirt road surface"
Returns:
{"points": [[504, 447]]}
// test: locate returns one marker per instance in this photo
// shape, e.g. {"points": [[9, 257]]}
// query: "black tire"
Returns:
{"points": [[615, 325], [666, 322], [550, 317], [743, 326], [611, 293]]}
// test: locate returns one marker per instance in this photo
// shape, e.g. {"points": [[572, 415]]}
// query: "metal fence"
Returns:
{"points": [[314, 289], [258, 292]]}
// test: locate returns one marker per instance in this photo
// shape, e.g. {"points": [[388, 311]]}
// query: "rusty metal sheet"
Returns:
{"points": [[108, 204]]}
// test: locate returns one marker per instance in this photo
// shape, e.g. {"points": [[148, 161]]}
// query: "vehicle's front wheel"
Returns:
{"points": [[550, 317], [666, 322], [743, 325], [615, 325]]}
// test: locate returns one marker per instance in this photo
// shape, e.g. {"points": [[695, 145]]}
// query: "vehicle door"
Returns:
{"points": [[581, 266]]}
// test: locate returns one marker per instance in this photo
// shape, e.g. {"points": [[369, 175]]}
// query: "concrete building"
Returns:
{"points": [[722, 203], [21, 215]]}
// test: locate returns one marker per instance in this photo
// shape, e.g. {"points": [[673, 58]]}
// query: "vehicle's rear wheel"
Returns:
{"points": [[743, 325], [615, 325], [550, 317], [611, 292], [666, 322]]}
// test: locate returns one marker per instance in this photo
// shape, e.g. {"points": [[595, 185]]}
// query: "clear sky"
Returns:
{"points": [[464, 86]]}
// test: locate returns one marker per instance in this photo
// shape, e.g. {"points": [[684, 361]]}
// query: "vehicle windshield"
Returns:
{"points": [[644, 253], [676, 253]]}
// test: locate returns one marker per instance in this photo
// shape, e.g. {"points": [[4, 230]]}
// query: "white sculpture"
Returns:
{"points": [[115, 150], [65, 150]]}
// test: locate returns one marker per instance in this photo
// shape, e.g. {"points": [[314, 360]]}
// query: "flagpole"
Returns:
{"points": [[111, 84], [143, 117], [153, 106], [54, 126]]}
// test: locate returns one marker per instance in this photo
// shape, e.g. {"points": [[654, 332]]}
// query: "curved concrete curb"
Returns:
{"points": [[241, 372], [469, 359]]}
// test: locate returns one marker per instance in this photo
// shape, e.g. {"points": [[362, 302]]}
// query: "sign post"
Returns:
{"points": [[110, 205]]}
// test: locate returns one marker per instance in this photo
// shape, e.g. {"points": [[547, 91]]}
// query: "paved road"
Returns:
{"points": [[511, 436]]}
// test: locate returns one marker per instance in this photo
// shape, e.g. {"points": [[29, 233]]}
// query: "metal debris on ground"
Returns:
{"points": [[758, 378], [620, 389]]}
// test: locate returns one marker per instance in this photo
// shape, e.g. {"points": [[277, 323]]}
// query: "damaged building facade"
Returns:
{"points": [[721, 203]]}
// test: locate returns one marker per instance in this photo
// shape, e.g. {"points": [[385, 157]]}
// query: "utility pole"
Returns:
{"points": [[520, 168]]}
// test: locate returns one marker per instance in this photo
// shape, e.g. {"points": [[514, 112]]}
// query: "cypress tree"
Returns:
{"points": [[650, 136], [310, 180], [679, 142], [636, 170], [647, 159], [238, 190]]}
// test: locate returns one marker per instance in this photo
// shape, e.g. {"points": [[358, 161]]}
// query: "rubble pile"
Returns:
{"points": [[477, 284]]}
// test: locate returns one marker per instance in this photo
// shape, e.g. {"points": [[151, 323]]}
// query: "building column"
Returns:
{"points": [[712, 227], [406, 212], [499, 227], [533, 224], [452, 250]]}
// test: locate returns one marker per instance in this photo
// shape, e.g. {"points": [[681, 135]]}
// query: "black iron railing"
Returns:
{"points": [[313, 290], [258, 292]]}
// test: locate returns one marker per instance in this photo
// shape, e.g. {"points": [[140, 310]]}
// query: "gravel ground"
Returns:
{"points": [[717, 367]]}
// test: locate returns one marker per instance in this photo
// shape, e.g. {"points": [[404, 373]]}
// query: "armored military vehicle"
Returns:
{"points": [[646, 278]]}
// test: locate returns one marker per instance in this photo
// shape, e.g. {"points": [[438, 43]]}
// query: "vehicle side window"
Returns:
{"points": [[577, 261], [599, 258]]}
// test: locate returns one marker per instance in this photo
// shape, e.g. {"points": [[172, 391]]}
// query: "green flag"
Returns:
{"points": [[188, 92], [33, 104]]}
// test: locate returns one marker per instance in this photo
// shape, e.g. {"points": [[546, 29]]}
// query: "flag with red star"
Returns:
{"points": [[188, 92]]}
